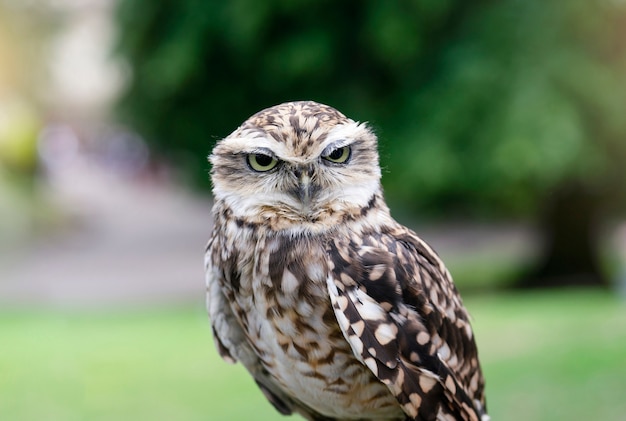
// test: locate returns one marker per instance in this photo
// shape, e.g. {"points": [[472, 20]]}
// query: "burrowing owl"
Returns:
{"points": [[335, 309]]}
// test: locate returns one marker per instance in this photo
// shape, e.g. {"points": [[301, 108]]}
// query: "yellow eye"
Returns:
{"points": [[339, 155], [261, 162]]}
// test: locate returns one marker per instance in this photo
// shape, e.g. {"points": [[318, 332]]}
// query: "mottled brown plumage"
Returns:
{"points": [[336, 310]]}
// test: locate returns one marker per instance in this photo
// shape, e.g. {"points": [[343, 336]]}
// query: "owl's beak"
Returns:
{"points": [[305, 190]]}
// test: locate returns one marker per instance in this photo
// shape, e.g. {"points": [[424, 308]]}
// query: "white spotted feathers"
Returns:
{"points": [[336, 310]]}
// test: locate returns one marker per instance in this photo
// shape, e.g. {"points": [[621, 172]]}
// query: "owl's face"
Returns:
{"points": [[296, 164]]}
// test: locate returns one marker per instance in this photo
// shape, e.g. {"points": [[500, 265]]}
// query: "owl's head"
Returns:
{"points": [[297, 164]]}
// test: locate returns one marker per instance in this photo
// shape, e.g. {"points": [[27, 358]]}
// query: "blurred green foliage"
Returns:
{"points": [[484, 106], [25, 32]]}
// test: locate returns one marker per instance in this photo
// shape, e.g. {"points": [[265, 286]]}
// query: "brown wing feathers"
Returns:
{"points": [[398, 309]]}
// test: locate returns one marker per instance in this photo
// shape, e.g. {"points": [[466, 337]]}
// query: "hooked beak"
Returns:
{"points": [[305, 189]]}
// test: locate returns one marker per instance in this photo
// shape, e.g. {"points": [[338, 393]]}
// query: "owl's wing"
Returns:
{"points": [[397, 307]]}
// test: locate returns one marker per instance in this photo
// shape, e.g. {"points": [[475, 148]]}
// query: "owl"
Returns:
{"points": [[337, 311]]}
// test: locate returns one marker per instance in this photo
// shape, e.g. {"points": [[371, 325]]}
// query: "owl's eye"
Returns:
{"points": [[339, 155], [261, 162]]}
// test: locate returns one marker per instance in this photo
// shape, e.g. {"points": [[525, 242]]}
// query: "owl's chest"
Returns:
{"points": [[281, 299], [280, 293]]}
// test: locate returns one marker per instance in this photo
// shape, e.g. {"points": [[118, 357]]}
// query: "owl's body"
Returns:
{"points": [[336, 310]]}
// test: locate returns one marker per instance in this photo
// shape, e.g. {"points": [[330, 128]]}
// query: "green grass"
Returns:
{"points": [[144, 365], [553, 356], [546, 356]]}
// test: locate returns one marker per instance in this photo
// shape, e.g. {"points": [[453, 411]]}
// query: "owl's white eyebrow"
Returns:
{"points": [[255, 145], [346, 133], [262, 151]]}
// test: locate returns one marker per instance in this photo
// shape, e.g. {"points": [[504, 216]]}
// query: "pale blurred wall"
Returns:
{"points": [[56, 70], [85, 220], [85, 79]]}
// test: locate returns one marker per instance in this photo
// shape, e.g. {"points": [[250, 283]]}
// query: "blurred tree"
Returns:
{"points": [[502, 108], [24, 31], [202, 67]]}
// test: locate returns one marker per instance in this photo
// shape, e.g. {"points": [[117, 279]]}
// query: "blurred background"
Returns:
{"points": [[502, 129]]}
